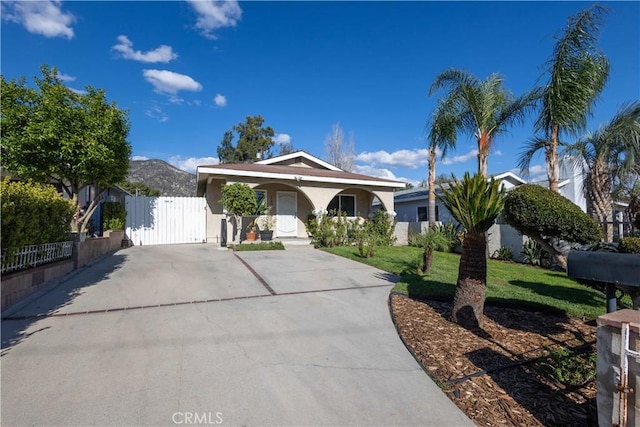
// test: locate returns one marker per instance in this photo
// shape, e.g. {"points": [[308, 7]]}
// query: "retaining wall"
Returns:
{"points": [[19, 285]]}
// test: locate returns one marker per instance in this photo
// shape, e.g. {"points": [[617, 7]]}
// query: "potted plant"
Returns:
{"points": [[252, 228], [266, 229]]}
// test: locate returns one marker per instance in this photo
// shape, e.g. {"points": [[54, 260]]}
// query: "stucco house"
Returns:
{"points": [[295, 185]]}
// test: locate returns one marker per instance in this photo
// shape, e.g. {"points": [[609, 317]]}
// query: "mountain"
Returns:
{"points": [[160, 175]]}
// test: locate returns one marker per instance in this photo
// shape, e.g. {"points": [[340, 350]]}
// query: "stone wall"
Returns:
{"points": [[19, 285]]}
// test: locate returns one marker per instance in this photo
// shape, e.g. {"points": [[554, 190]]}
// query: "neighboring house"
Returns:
{"points": [[295, 185], [412, 205]]}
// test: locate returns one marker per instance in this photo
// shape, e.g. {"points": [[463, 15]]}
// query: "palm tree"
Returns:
{"points": [[431, 240], [610, 153], [441, 137], [482, 108], [475, 203], [577, 72]]}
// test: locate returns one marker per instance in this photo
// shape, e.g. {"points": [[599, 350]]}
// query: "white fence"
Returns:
{"points": [[166, 220], [34, 255]]}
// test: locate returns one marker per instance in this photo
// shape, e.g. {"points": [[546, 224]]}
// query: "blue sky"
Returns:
{"points": [[189, 71]]}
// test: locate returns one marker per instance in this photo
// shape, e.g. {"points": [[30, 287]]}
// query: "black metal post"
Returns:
{"points": [[612, 302]]}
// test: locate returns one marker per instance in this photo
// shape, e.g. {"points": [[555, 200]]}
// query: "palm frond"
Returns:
{"points": [[532, 147], [474, 202]]}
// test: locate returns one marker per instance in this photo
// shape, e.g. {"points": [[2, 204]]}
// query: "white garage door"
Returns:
{"points": [[166, 220]]}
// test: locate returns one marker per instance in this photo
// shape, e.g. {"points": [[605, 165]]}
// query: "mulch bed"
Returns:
{"points": [[489, 373]]}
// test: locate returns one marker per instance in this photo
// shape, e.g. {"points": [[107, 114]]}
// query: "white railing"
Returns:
{"points": [[34, 255]]}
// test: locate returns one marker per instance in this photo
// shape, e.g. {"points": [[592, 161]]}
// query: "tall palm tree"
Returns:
{"points": [[482, 108], [441, 137], [577, 73], [610, 153], [475, 203]]}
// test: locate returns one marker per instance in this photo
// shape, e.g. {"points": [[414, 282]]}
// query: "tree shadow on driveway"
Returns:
{"points": [[21, 323]]}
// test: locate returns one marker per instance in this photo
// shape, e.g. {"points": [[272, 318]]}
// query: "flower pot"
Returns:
{"points": [[266, 235], [251, 236]]}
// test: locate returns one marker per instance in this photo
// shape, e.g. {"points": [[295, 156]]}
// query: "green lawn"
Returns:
{"points": [[508, 284]]}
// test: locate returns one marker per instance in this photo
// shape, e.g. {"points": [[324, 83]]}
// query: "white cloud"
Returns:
{"points": [[66, 77], [214, 14], [139, 158], [403, 158], [162, 53], [220, 100], [169, 82], [460, 159], [190, 164], [155, 112], [382, 173], [536, 173], [78, 91], [42, 17], [282, 139]]}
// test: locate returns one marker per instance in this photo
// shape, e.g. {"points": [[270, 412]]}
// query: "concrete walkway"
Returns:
{"points": [[171, 335]]}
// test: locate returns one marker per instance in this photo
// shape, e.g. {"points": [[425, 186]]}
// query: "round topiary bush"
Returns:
{"points": [[537, 211]]}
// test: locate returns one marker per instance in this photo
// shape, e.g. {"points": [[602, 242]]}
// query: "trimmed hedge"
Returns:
{"points": [[630, 245], [534, 210], [33, 214]]}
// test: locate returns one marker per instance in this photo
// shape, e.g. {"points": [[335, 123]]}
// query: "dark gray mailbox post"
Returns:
{"points": [[609, 268]]}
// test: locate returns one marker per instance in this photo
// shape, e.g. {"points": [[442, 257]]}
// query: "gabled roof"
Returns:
{"points": [[510, 176], [299, 154], [295, 174]]}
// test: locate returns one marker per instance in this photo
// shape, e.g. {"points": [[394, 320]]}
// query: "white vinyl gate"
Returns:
{"points": [[166, 220]]}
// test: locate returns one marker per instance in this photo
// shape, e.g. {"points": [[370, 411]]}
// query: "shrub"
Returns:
{"points": [[537, 211], [453, 232], [383, 226], [33, 214], [569, 368], [114, 216], [532, 252], [630, 245], [503, 254]]}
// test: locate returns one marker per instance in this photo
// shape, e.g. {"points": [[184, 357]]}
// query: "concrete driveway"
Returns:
{"points": [[184, 335]]}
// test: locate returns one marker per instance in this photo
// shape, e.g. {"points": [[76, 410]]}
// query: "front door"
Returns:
{"points": [[287, 214]]}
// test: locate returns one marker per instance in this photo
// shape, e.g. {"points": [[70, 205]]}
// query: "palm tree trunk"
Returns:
{"points": [[599, 197], [468, 302], [553, 167], [482, 163], [427, 260], [432, 187]]}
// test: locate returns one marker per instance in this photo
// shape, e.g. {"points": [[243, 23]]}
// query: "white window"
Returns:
{"points": [[343, 203]]}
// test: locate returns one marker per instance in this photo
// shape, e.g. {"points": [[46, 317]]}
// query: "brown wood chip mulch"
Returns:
{"points": [[488, 373]]}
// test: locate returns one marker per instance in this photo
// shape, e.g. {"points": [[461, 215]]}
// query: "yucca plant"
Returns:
{"points": [[475, 203], [431, 240]]}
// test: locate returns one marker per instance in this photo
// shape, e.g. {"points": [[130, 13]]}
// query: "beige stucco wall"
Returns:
{"points": [[310, 199]]}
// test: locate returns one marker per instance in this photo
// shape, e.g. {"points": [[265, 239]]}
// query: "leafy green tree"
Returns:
{"points": [[51, 134], [239, 200], [577, 73], [441, 137], [254, 142], [484, 108], [610, 153], [546, 217], [475, 203], [140, 188]]}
